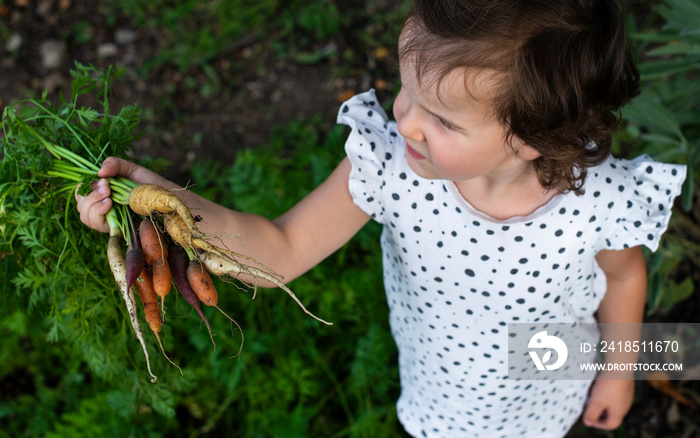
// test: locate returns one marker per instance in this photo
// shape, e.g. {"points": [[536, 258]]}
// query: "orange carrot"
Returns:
{"points": [[156, 254], [201, 283], [147, 294], [144, 287], [162, 278]]}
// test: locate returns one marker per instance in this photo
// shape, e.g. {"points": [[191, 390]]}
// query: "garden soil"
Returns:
{"points": [[188, 115]]}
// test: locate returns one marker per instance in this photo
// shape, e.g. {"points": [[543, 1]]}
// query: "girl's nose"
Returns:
{"points": [[409, 126], [407, 118]]}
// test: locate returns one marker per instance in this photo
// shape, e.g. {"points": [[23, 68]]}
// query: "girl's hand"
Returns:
{"points": [[94, 206], [609, 402]]}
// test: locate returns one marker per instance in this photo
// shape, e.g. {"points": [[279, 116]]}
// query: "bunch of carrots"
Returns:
{"points": [[181, 254], [163, 245]]}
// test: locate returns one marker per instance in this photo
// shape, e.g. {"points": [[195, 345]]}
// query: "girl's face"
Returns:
{"points": [[451, 135]]}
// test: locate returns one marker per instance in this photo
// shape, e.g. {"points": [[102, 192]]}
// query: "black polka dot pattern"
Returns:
{"points": [[455, 278]]}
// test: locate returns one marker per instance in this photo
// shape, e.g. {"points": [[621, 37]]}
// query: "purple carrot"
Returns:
{"points": [[178, 261], [135, 262], [135, 259]]}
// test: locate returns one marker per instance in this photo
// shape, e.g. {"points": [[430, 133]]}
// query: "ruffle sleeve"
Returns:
{"points": [[368, 148], [647, 191]]}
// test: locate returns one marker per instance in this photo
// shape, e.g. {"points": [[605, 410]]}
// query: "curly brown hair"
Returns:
{"points": [[565, 69]]}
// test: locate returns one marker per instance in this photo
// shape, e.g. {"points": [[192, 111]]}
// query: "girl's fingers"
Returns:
{"points": [[601, 417], [94, 206], [593, 415], [113, 166]]}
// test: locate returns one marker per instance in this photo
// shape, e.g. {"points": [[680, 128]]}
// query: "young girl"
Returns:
{"points": [[500, 204]]}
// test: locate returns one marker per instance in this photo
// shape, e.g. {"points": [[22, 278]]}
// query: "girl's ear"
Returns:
{"points": [[524, 151]]}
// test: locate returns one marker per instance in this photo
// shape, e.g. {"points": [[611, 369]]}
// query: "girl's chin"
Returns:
{"points": [[419, 167]]}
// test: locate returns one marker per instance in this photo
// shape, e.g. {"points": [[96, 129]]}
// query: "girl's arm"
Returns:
{"points": [[626, 275], [290, 245], [624, 301]]}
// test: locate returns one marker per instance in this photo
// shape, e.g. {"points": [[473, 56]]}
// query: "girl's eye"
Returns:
{"points": [[446, 125]]}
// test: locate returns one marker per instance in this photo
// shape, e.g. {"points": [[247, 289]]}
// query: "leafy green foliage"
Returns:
{"points": [[195, 32], [302, 29], [58, 289], [38, 226], [193, 35], [664, 122]]}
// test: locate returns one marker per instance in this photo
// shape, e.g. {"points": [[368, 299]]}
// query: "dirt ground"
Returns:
{"points": [[255, 91]]}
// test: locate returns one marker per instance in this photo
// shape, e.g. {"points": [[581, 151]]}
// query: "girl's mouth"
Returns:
{"points": [[412, 152]]}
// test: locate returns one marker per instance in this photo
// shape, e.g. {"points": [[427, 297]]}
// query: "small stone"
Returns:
{"points": [[52, 52], [43, 8], [14, 42], [107, 50], [124, 36]]}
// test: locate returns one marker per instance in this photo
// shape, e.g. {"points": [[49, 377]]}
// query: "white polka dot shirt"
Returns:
{"points": [[455, 277]]}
